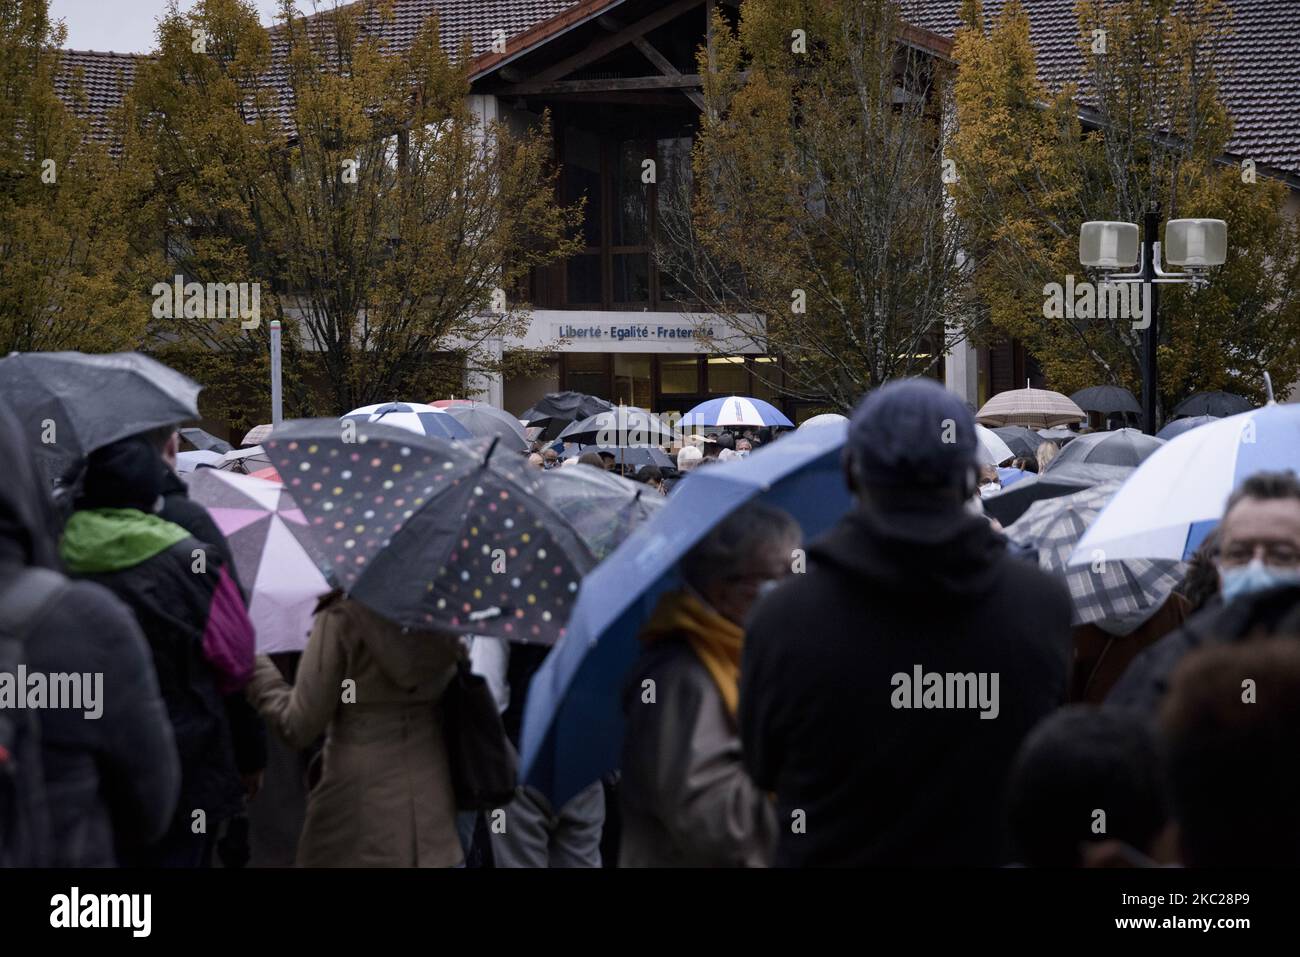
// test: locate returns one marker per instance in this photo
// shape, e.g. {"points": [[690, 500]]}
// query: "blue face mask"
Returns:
{"points": [[1255, 577]]}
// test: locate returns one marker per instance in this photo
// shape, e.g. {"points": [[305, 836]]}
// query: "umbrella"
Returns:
{"points": [[1128, 447], [602, 507], [734, 412], [1176, 497], [1059, 436], [626, 426], [451, 403], [1186, 424], [189, 461], [434, 534], [992, 449], [486, 421], [557, 410], [420, 419], [826, 418], [1217, 404], [205, 441], [1106, 399], [1035, 408], [74, 403], [1120, 593], [1021, 441], [276, 558], [247, 460], [1009, 504], [573, 717], [256, 435], [637, 456]]}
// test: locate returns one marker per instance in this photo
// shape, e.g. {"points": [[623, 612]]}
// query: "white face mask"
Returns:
{"points": [[988, 488]]}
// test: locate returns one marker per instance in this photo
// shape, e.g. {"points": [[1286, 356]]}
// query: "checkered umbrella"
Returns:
{"points": [[414, 417], [275, 555], [1114, 591], [1034, 408]]}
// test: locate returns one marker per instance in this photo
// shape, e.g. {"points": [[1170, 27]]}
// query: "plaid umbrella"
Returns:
{"points": [[1119, 592], [275, 555], [256, 435], [1035, 408]]}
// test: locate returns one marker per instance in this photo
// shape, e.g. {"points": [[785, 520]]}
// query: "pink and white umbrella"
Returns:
{"points": [[275, 556]]}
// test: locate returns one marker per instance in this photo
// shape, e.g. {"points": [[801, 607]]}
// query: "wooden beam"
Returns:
{"points": [[535, 88], [665, 66], [607, 45]]}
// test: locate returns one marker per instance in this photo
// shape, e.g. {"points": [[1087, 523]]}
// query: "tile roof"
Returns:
{"points": [[1260, 83], [106, 77]]}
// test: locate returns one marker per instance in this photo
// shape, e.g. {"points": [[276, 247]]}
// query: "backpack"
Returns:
{"points": [[24, 814]]}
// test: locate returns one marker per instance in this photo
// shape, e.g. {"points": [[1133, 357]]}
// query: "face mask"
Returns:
{"points": [[1255, 577], [989, 488]]}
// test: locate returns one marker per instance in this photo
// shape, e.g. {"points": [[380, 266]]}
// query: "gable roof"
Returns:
{"points": [[1260, 82]]}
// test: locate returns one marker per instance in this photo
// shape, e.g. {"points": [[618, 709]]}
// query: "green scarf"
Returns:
{"points": [[110, 539]]}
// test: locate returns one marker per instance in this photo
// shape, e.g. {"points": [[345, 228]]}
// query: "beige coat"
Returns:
{"points": [[385, 797]]}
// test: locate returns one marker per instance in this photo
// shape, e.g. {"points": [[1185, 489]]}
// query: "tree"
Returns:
{"points": [[1031, 171], [384, 223], [820, 227], [67, 278]]}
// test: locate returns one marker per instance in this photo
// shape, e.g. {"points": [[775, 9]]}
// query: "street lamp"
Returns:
{"points": [[1194, 245]]}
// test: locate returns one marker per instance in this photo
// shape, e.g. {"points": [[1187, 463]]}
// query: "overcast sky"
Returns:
{"points": [[127, 26]]}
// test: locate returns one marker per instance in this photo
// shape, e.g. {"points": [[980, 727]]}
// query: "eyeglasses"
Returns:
{"points": [[1278, 554]]}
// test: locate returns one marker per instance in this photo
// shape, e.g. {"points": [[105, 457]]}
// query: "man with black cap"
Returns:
{"points": [[885, 691]]}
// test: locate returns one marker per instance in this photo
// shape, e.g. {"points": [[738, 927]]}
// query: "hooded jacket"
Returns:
{"points": [[839, 710], [111, 780], [385, 795], [188, 606]]}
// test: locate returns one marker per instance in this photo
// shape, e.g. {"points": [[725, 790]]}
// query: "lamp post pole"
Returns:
{"points": [[1150, 335], [276, 395]]}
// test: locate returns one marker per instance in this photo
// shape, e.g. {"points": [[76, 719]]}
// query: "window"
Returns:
{"points": [[632, 382], [728, 376], [679, 375], [587, 372]]}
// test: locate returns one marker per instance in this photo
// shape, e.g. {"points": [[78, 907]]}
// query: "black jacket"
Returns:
{"points": [[1143, 685], [858, 781], [248, 731], [171, 604], [111, 779]]}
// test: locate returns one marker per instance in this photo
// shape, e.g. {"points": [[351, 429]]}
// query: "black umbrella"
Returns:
{"points": [[602, 507], [1179, 426], [1021, 441], [1218, 404], [487, 421], [205, 441], [1106, 399], [625, 427], [1009, 505], [637, 456], [432, 534], [1128, 447], [560, 409], [73, 403]]}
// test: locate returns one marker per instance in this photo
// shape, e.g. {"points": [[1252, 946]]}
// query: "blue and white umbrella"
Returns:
{"points": [[414, 417], [1175, 498], [735, 411], [573, 718]]}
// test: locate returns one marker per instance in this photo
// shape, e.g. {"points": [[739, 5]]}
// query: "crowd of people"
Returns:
{"points": [[905, 690]]}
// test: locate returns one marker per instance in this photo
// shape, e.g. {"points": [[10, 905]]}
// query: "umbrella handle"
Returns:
{"points": [[491, 448]]}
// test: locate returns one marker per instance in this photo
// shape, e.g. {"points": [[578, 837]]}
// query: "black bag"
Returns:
{"points": [[483, 772], [24, 815]]}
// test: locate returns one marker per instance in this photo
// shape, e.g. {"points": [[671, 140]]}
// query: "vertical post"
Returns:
{"points": [[276, 395], [1151, 335]]}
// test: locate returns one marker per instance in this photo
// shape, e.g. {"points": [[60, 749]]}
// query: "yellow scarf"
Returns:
{"points": [[713, 638]]}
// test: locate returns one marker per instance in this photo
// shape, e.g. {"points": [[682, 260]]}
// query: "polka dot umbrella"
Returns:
{"points": [[433, 534]]}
